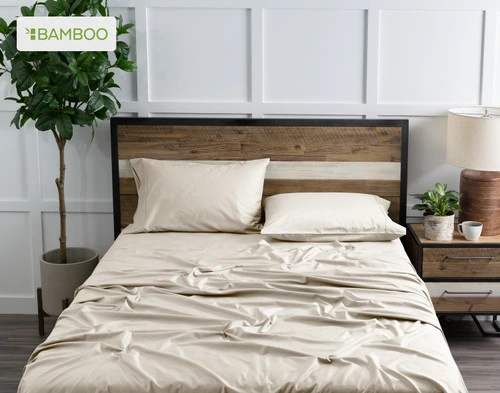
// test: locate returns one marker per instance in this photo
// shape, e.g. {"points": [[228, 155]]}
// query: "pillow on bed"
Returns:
{"points": [[197, 197], [321, 217]]}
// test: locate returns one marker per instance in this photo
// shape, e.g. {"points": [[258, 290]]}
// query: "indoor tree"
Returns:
{"points": [[60, 90]]}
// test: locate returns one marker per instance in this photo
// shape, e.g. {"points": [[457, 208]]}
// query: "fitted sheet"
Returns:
{"points": [[191, 312]]}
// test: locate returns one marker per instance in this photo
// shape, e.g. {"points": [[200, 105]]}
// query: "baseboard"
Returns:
{"points": [[18, 305]]}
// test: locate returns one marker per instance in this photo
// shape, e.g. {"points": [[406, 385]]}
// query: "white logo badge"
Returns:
{"points": [[66, 33]]}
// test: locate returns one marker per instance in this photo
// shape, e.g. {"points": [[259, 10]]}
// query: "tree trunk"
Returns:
{"points": [[61, 144]]}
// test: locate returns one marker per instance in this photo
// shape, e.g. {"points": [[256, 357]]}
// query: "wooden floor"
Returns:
{"points": [[477, 357]]}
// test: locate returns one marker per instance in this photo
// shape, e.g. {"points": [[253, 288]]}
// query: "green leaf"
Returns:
{"points": [[80, 94], [18, 100], [418, 196], [53, 58], [124, 29], [440, 188], [22, 75], [454, 195], [16, 119], [48, 98], [127, 65], [42, 81], [109, 77], [82, 78], [102, 114], [95, 102], [61, 69], [429, 195], [94, 7], [69, 56], [73, 9], [108, 91], [109, 105], [33, 8], [4, 29], [24, 119], [45, 123], [122, 49], [98, 68], [38, 105], [103, 11], [420, 206], [55, 8], [73, 66], [26, 11], [82, 118], [9, 47], [64, 88], [64, 126], [84, 60]]}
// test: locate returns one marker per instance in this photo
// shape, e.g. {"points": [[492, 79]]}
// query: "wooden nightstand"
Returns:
{"points": [[462, 276]]}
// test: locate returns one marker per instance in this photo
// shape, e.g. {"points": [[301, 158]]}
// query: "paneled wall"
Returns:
{"points": [[278, 58]]}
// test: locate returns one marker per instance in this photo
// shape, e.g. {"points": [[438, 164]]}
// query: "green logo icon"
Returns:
{"points": [[32, 33]]}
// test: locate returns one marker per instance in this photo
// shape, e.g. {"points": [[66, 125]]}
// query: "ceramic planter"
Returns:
{"points": [[439, 227], [59, 281]]}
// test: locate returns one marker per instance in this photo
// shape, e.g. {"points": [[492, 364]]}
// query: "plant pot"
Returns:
{"points": [[439, 227], [59, 281]]}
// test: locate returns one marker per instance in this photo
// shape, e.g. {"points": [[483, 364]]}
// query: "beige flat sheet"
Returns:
{"points": [[179, 312]]}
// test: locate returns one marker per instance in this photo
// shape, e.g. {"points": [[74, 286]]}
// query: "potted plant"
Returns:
{"points": [[60, 90], [439, 208]]}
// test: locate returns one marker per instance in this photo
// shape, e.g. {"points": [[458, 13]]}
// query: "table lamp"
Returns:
{"points": [[474, 144]]}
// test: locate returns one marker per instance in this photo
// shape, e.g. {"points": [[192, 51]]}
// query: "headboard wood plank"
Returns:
{"points": [[383, 188], [297, 141], [370, 144]]}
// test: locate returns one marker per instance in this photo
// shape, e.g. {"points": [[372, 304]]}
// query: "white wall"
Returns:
{"points": [[282, 58]]}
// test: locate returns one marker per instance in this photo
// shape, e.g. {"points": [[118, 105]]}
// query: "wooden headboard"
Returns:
{"points": [[368, 156]]}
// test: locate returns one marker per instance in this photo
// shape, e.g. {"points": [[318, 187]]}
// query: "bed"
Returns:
{"points": [[199, 309]]}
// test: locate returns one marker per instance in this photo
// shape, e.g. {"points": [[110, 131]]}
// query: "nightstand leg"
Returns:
{"points": [[41, 314], [495, 323], [485, 333]]}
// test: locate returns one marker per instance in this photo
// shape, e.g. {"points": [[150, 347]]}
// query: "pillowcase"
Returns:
{"points": [[197, 197], [325, 217]]}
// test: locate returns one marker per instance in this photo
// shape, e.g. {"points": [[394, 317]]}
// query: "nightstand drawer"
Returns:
{"points": [[461, 262], [465, 297]]}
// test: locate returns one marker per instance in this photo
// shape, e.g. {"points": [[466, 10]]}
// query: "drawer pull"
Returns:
{"points": [[446, 292], [448, 258]]}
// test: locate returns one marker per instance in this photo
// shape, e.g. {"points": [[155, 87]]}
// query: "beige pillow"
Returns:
{"points": [[197, 197], [323, 217]]}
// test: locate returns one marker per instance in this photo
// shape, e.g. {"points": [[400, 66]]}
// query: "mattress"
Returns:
{"points": [[191, 312]]}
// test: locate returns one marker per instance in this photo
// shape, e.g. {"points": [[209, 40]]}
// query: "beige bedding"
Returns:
{"points": [[179, 312]]}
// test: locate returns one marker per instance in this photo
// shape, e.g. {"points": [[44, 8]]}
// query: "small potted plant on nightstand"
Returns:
{"points": [[439, 208]]}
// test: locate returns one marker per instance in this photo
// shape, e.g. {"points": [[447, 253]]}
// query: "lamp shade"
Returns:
{"points": [[474, 138]]}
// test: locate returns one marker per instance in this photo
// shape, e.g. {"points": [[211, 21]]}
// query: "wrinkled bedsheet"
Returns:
{"points": [[243, 313]]}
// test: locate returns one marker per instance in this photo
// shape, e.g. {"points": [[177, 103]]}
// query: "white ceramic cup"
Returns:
{"points": [[470, 229]]}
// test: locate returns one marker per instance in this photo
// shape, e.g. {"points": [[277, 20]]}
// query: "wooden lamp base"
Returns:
{"points": [[481, 199]]}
